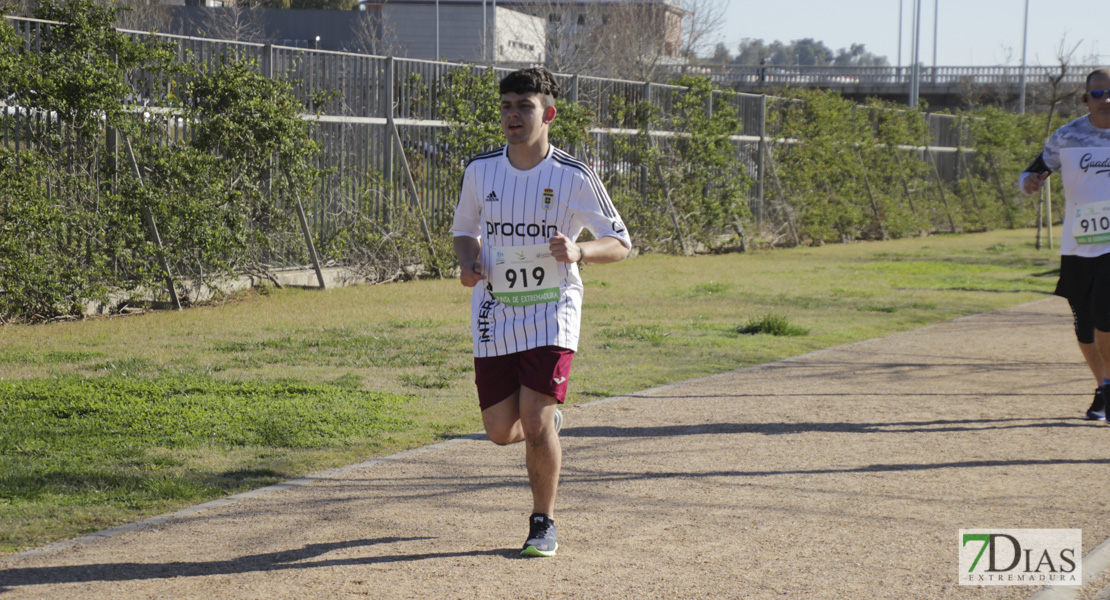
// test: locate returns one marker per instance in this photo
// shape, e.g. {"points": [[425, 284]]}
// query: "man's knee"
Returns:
{"points": [[501, 437], [534, 424]]}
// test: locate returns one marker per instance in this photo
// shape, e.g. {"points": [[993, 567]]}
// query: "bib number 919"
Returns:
{"points": [[524, 275], [512, 278]]}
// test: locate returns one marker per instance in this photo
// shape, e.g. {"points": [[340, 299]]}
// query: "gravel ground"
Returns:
{"points": [[844, 473]]}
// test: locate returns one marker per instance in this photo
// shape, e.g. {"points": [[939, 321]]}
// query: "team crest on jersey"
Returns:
{"points": [[548, 198]]}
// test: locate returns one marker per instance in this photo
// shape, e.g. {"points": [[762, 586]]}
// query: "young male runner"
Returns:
{"points": [[1080, 151], [520, 211]]}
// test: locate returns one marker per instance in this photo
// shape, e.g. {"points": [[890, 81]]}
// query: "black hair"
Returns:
{"points": [[1095, 73], [536, 80]]}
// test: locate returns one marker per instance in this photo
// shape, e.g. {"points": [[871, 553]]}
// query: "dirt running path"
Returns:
{"points": [[845, 473]]}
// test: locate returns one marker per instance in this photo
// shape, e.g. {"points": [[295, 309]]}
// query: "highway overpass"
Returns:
{"points": [[940, 87]]}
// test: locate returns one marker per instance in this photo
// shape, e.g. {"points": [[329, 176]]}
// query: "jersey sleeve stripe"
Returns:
{"points": [[599, 188], [491, 154], [606, 204]]}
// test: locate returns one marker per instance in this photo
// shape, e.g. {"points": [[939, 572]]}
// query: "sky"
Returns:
{"points": [[969, 32]]}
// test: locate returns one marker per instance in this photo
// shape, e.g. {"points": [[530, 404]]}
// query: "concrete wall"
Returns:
{"points": [[412, 29], [520, 37], [298, 28]]}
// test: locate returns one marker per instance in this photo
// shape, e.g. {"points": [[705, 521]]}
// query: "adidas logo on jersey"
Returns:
{"points": [[492, 197]]}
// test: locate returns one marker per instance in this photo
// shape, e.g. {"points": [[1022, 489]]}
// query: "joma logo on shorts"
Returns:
{"points": [[520, 229]]}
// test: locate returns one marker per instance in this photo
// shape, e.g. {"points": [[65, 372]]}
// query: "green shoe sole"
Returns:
{"points": [[532, 551]]}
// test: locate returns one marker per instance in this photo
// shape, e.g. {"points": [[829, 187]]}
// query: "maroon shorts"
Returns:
{"points": [[545, 370]]}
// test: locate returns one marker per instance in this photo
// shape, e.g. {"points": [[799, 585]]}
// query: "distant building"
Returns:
{"points": [[469, 30], [657, 20], [506, 31]]}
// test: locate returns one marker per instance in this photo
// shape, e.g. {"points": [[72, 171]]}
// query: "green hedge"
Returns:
{"points": [[220, 177]]}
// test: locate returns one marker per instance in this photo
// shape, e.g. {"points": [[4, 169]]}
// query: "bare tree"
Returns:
{"points": [[703, 20], [565, 27], [144, 15], [633, 41], [1057, 93], [372, 35], [138, 15], [17, 8], [630, 39], [238, 20]]}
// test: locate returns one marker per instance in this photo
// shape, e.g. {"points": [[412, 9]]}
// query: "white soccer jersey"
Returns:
{"points": [[504, 207], [1080, 152]]}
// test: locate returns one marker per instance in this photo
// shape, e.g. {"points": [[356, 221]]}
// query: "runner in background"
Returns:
{"points": [[519, 215], [1080, 152]]}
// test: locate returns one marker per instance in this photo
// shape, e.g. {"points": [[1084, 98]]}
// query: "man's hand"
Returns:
{"points": [[1033, 183], [468, 250], [471, 274], [564, 249]]}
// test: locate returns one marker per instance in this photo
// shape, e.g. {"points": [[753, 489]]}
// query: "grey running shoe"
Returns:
{"points": [[541, 537], [1097, 412], [559, 419]]}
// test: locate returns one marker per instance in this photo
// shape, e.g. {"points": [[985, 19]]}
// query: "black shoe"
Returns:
{"points": [[1097, 412], [541, 537]]}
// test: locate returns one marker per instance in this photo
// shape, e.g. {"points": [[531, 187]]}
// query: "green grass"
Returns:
{"points": [[771, 325], [127, 442], [110, 420]]}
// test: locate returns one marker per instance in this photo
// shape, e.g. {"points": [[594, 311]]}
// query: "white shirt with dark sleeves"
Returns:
{"points": [[502, 206], [1080, 152]]}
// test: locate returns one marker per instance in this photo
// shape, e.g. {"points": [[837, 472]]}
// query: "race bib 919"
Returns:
{"points": [[524, 275]]}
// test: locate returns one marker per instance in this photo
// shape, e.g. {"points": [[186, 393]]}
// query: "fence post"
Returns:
{"points": [[782, 197], [111, 146], [152, 230], [572, 98], [268, 61], [1048, 212], [670, 205], [411, 185], [308, 242], [387, 111], [1001, 191], [647, 131], [940, 187], [759, 159], [871, 196], [268, 72]]}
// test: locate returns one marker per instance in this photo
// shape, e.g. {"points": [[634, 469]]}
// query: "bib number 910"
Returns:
{"points": [[1092, 223]]}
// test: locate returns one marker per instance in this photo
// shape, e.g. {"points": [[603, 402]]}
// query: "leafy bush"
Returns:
{"points": [[693, 185], [219, 181]]}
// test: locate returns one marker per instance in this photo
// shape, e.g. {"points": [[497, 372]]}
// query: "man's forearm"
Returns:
{"points": [[605, 250], [467, 249]]}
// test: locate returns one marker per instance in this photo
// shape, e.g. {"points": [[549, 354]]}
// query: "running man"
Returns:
{"points": [[1080, 151], [520, 211]]}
